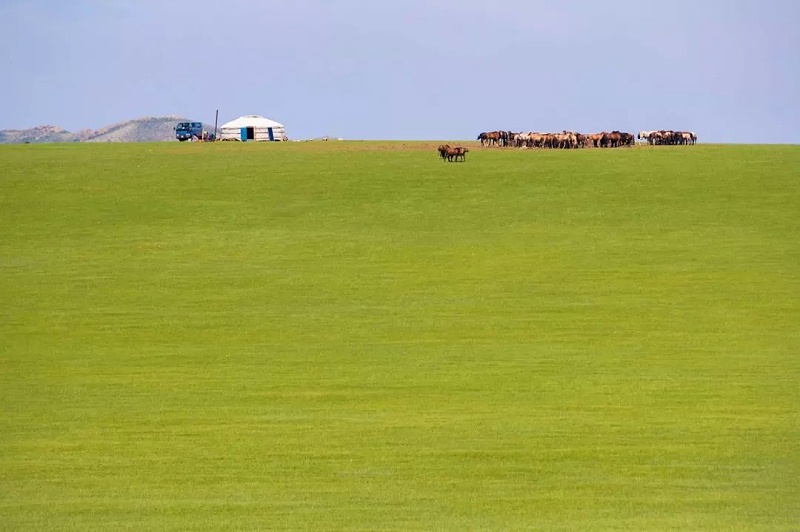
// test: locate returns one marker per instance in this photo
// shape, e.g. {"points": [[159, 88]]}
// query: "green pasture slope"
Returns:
{"points": [[333, 336]]}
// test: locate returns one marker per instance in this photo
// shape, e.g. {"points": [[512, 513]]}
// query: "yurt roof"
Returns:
{"points": [[251, 121]]}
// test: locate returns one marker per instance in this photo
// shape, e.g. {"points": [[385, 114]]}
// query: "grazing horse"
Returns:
{"points": [[627, 139], [493, 138], [503, 140], [536, 140], [610, 140], [667, 136], [521, 139], [644, 136], [596, 140], [453, 154], [655, 138], [442, 149]]}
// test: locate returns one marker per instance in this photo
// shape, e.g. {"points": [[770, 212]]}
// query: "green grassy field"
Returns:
{"points": [[329, 336]]}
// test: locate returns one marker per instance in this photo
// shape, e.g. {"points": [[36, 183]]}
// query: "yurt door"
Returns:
{"points": [[243, 132], [271, 134]]}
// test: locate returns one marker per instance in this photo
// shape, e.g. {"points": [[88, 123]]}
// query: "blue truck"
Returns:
{"points": [[187, 130]]}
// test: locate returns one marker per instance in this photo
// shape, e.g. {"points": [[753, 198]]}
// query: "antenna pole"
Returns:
{"points": [[216, 120]]}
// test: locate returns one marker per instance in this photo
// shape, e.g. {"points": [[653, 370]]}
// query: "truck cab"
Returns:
{"points": [[187, 130]]}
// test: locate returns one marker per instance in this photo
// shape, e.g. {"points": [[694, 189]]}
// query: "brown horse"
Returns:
{"points": [[492, 138], [453, 154]]}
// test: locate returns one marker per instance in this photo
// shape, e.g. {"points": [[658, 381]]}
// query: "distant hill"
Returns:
{"points": [[146, 129], [36, 134]]}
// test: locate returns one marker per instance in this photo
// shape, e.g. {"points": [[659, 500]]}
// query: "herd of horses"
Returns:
{"points": [[572, 139], [452, 153], [668, 137]]}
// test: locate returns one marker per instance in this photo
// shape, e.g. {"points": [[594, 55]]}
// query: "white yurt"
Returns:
{"points": [[252, 127]]}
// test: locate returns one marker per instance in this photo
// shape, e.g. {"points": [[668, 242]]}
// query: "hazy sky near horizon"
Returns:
{"points": [[409, 69]]}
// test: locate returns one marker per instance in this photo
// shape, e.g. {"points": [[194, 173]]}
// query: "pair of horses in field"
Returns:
{"points": [[452, 153]]}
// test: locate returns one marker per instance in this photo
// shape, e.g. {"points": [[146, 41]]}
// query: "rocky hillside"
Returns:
{"points": [[147, 129], [36, 134]]}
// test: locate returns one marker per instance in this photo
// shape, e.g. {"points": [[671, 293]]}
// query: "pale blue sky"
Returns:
{"points": [[409, 69]]}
